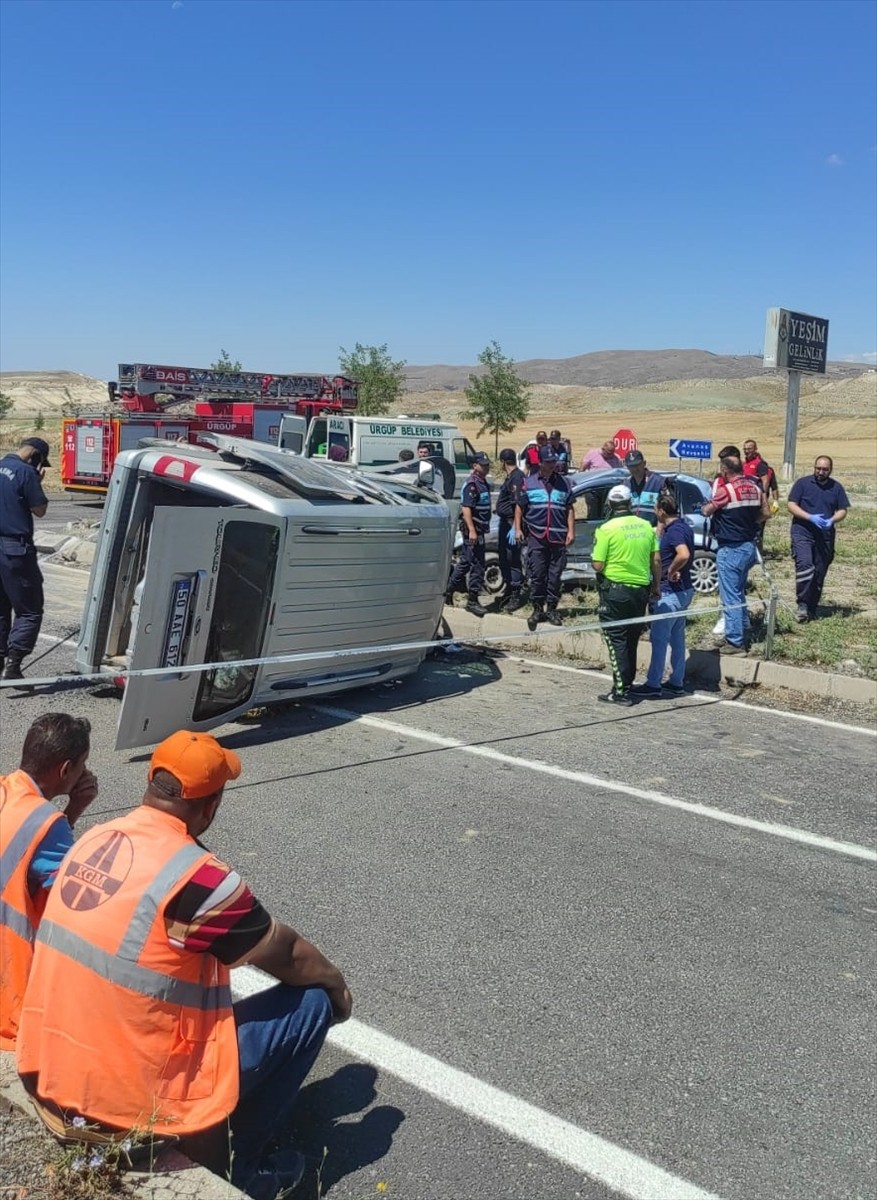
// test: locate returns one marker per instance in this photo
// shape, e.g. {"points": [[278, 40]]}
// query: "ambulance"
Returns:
{"points": [[375, 442]]}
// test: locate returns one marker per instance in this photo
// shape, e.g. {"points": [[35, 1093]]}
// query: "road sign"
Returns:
{"points": [[689, 448], [625, 441]]}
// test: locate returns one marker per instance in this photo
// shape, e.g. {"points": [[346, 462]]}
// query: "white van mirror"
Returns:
{"points": [[426, 473]]}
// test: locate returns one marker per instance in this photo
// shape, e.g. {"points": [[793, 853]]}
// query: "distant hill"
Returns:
{"points": [[615, 368]]}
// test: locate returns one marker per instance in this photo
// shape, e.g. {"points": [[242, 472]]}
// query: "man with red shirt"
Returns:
{"points": [[739, 507], [140, 932], [755, 466]]}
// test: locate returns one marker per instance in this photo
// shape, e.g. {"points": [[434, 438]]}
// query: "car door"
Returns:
{"points": [[205, 596], [590, 506]]}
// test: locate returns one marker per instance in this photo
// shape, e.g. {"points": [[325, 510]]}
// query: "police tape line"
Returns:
{"points": [[110, 673]]}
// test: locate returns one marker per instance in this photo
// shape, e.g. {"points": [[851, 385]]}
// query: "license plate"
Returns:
{"points": [[176, 630]]}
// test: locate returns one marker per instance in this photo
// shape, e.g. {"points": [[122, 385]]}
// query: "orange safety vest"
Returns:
{"points": [[25, 818], [118, 1025]]}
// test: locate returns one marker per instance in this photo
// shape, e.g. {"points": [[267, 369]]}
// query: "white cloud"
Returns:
{"points": [[835, 160], [870, 358]]}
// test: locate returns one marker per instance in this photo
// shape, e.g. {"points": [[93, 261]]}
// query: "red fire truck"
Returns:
{"points": [[245, 404]]}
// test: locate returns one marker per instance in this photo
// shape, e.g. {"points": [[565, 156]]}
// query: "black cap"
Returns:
{"points": [[42, 446], [633, 458], [547, 454], [508, 456], [481, 458]]}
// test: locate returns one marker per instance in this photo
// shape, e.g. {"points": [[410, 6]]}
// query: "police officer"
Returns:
{"points": [[545, 503], [474, 524], [645, 485], [509, 550], [21, 582], [628, 566], [560, 450]]}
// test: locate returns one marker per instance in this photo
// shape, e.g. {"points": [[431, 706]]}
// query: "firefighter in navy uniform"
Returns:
{"points": [[509, 550], [21, 582], [545, 503], [474, 524]]}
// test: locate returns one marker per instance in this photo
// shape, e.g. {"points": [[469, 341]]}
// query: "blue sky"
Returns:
{"points": [[279, 179]]}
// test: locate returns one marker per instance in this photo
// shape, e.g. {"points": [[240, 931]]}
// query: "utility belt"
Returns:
{"points": [[21, 539], [606, 585]]}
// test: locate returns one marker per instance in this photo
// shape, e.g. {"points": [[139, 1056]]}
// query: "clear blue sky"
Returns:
{"points": [[279, 179]]}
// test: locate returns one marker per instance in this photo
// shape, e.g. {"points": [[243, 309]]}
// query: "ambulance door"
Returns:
{"points": [[206, 597]]}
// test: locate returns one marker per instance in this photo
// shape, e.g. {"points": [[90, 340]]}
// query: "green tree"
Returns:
{"points": [[5, 405], [224, 365], [39, 421], [381, 380], [498, 399]]}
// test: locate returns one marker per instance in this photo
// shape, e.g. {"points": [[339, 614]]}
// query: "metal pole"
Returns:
{"points": [[791, 425], [771, 624]]}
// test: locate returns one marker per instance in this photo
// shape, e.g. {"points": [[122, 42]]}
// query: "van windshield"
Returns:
{"points": [[244, 588]]}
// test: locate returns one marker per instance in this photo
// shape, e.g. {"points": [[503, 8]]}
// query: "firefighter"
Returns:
{"points": [[21, 582], [474, 524]]}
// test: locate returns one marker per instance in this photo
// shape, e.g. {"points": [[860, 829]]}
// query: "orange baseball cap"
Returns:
{"points": [[197, 761]]}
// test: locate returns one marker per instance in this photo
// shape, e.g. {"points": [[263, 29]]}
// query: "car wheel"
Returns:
{"points": [[704, 572], [493, 583]]}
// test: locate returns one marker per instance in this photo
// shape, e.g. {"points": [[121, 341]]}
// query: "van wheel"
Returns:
{"points": [[493, 583]]}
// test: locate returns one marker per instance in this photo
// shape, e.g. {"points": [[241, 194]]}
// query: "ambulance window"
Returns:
{"points": [[463, 452], [244, 588], [317, 442]]}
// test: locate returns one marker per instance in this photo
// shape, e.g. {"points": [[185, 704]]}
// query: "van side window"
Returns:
{"points": [[318, 439]]}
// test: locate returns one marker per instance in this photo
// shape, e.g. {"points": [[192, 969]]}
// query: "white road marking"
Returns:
{"points": [[774, 712], [801, 836], [48, 637], [623, 1172]]}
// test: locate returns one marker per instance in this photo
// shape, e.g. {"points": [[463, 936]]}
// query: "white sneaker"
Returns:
{"points": [[719, 627]]}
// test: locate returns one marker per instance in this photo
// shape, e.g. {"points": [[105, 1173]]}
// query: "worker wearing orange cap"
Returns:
{"points": [[139, 934]]}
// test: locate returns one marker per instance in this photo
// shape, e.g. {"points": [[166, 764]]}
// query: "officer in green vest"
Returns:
{"points": [[627, 561]]}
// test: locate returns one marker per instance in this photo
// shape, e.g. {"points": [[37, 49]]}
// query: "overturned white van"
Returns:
{"points": [[248, 552]]}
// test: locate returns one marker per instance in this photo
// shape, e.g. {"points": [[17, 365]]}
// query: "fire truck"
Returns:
{"points": [[246, 404]]}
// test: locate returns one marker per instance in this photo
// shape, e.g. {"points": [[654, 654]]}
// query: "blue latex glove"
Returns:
{"points": [[510, 537], [821, 522]]}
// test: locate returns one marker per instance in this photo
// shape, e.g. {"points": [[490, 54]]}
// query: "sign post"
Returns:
{"points": [[691, 448], [799, 343]]}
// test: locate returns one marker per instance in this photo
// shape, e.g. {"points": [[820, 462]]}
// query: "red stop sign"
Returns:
{"points": [[625, 441]]}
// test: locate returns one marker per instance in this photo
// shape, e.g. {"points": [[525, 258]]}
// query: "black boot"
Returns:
{"points": [[513, 601], [553, 617], [535, 617], [475, 608], [13, 665]]}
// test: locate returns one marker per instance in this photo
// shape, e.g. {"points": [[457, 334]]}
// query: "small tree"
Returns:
{"points": [[5, 405], [499, 399], [224, 365], [39, 421], [381, 380]]}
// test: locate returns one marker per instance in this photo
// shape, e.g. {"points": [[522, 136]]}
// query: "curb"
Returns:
{"points": [[174, 1177], [706, 667]]}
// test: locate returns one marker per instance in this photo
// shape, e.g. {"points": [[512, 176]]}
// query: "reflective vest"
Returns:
{"points": [[545, 503], [118, 1025], [25, 819], [737, 521]]}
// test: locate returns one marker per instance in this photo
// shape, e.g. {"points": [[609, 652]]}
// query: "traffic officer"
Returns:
{"points": [[21, 582], [545, 503], [509, 550], [645, 485], [559, 447], [34, 837], [818, 504], [739, 507], [627, 561], [474, 524]]}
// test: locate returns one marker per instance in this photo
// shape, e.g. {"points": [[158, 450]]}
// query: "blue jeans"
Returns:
{"points": [[280, 1033], [672, 634], [733, 564]]}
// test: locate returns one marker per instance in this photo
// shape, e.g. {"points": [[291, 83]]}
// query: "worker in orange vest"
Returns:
{"points": [[34, 837], [140, 932]]}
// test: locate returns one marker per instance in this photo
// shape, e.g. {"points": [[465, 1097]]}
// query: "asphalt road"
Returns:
{"points": [[520, 885]]}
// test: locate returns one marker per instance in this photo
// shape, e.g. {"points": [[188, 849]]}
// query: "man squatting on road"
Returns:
{"points": [[21, 582], [34, 838], [140, 932]]}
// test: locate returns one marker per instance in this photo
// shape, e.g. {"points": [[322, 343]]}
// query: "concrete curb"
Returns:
{"points": [[705, 667], [174, 1176]]}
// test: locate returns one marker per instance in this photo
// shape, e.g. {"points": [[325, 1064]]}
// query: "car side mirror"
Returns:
{"points": [[426, 474]]}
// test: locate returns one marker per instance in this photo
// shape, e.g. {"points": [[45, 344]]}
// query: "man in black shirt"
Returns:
{"points": [[21, 582], [509, 550]]}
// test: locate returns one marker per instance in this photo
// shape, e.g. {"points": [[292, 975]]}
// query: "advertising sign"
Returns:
{"points": [[796, 341]]}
